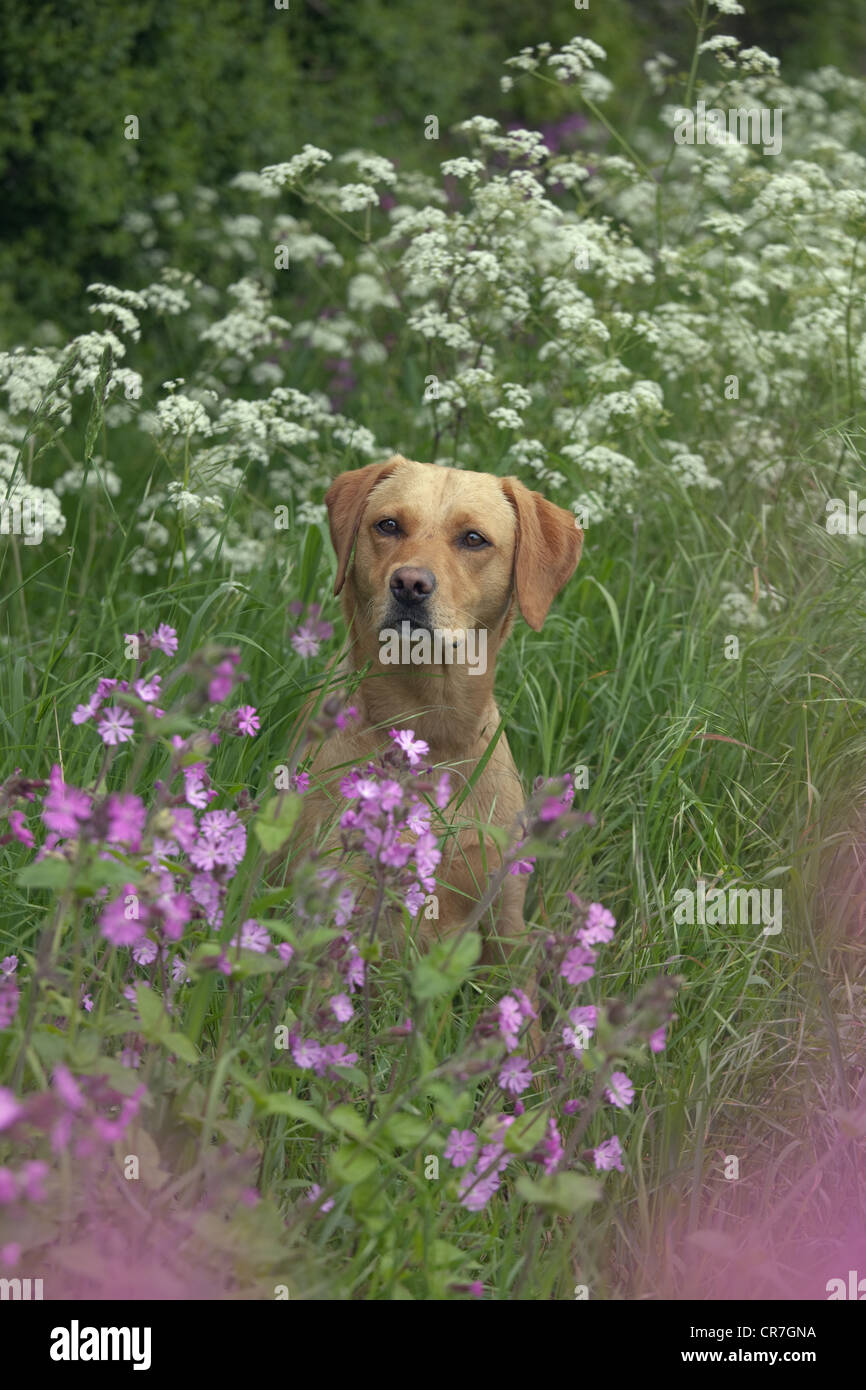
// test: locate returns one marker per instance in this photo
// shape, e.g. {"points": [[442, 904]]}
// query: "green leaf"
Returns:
{"points": [[446, 1256], [527, 1132], [123, 1079], [275, 821], [284, 1104], [262, 904], [207, 951], [453, 1107], [352, 1163], [277, 925], [346, 1119], [406, 1131], [85, 1050], [233, 1131], [354, 1075], [251, 1086], [314, 938], [177, 724], [50, 1043], [565, 1192], [248, 963], [370, 1206], [56, 873], [103, 873], [60, 1003], [154, 1020], [180, 1044], [445, 967], [119, 1021], [198, 1006], [48, 873], [194, 755]]}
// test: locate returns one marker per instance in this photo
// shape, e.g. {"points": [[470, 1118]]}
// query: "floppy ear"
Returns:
{"points": [[345, 500], [549, 542]]}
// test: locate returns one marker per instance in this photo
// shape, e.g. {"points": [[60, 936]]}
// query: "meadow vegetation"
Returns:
{"points": [[214, 1081]]}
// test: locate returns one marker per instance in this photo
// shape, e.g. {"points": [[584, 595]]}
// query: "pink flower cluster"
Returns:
{"points": [[115, 722], [391, 824], [478, 1185], [83, 1116], [18, 788], [578, 963], [548, 811], [186, 861], [213, 847], [312, 632], [314, 1056], [574, 959], [513, 1012]]}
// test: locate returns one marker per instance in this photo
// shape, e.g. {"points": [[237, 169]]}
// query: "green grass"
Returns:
{"points": [[742, 766], [742, 771]]}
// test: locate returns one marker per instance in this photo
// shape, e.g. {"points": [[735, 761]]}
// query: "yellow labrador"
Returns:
{"points": [[441, 556]]}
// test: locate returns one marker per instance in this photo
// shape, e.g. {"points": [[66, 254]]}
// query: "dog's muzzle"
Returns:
{"points": [[411, 589]]}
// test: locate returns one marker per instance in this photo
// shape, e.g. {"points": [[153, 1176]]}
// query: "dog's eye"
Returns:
{"points": [[387, 527], [474, 540]]}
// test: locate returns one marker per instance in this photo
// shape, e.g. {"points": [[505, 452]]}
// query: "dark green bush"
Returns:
{"points": [[221, 85]]}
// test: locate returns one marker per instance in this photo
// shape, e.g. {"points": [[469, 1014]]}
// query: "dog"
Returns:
{"points": [[424, 550]]}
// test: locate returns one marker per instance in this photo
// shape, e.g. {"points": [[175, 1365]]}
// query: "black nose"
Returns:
{"points": [[412, 586]]}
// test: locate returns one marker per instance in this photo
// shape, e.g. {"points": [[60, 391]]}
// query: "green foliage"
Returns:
{"points": [[564, 1192], [222, 85], [274, 823], [740, 769], [217, 86], [445, 967]]}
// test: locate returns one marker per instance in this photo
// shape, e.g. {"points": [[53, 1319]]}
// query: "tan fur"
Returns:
{"points": [[534, 549]]}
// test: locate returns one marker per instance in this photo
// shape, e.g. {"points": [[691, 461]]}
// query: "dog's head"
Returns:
{"points": [[447, 549]]}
